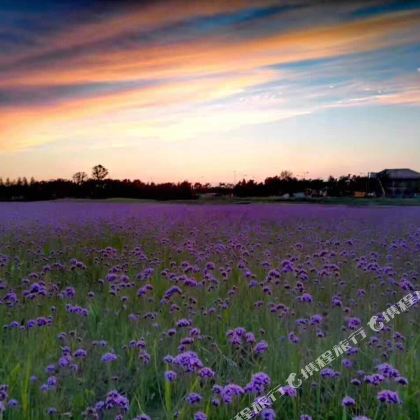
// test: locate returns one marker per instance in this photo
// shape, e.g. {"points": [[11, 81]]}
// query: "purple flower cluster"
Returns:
{"points": [[114, 402], [109, 358], [389, 397], [188, 362], [5, 402], [259, 383], [78, 310], [182, 277]]}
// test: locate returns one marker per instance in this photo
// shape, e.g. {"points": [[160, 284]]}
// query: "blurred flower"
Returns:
{"points": [[230, 391], [193, 398], [388, 397], [268, 414], [170, 375], [293, 338], [261, 347], [348, 402], [109, 358], [289, 391]]}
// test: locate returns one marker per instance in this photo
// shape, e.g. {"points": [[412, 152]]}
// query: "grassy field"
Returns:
{"points": [[157, 310], [345, 201]]}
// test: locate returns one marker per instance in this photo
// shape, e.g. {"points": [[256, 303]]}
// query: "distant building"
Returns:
{"points": [[359, 194], [398, 182]]}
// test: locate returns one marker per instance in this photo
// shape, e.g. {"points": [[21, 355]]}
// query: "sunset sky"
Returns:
{"points": [[208, 90]]}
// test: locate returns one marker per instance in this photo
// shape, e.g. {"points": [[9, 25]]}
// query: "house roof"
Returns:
{"points": [[404, 173]]}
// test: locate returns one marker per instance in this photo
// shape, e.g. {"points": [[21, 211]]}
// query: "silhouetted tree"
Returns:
{"points": [[99, 187], [286, 175], [79, 177], [99, 173]]}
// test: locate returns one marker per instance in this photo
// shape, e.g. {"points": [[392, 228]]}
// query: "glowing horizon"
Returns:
{"points": [[202, 90]]}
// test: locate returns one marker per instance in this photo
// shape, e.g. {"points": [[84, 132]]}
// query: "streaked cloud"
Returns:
{"points": [[178, 71]]}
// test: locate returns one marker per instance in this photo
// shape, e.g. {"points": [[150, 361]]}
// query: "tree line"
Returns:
{"points": [[99, 185]]}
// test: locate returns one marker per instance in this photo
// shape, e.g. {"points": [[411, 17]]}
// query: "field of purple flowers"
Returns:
{"points": [[163, 311]]}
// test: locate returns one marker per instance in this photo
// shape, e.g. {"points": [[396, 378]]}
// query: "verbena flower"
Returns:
{"points": [[170, 376], [354, 323], [306, 298], [12, 403], [80, 354], [329, 373], [293, 338], [348, 402], [401, 380], [52, 411], [388, 397], [268, 414], [387, 370], [230, 392], [206, 372], [193, 398], [109, 358], [289, 391], [375, 379], [199, 415], [188, 361], [116, 400], [261, 347], [259, 383]]}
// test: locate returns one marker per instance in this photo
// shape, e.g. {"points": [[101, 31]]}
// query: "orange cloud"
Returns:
{"points": [[24, 127], [192, 72], [406, 97], [220, 54]]}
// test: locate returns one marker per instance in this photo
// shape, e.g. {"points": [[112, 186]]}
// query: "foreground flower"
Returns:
{"points": [[289, 391], [261, 347], [259, 383], [230, 391], [348, 402], [387, 370], [306, 298], [293, 338], [170, 375], [401, 380], [329, 373], [52, 411], [188, 361], [109, 358], [193, 398], [354, 323], [206, 372], [80, 354], [268, 414], [374, 379], [115, 400], [13, 403], [389, 397]]}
